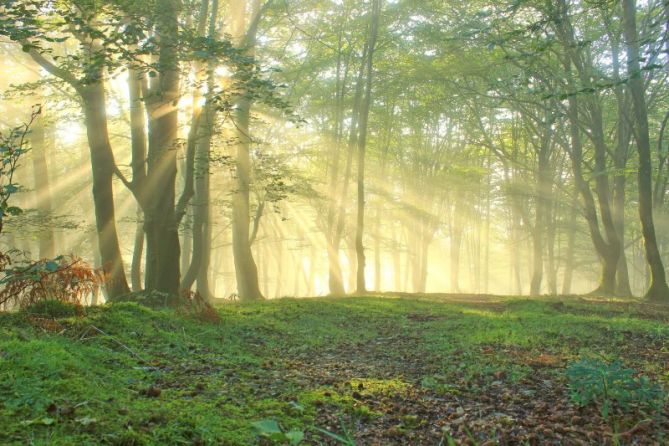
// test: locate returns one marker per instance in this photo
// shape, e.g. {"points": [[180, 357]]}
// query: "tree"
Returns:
{"points": [[361, 287], [658, 289]]}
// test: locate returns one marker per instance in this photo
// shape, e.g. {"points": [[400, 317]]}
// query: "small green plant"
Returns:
{"points": [[271, 429], [13, 147], [611, 385], [437, 385], [346, 438]]}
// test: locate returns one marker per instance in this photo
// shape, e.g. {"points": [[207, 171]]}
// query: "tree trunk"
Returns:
{"points": [[377, 255], [163, 250], [335, 277], [136, 82], [607, 249], [341, 198], [103, 165], [551, 234], [187, 241], [426, 240], [543, 191], [455, 249], [658, 289], [571, 242], [620, 157], [361, 287], [246, 270], [40, 144], [137, 253], [202, 285]]}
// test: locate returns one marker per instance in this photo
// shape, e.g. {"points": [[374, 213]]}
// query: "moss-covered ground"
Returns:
{"points": [[358, 370]]}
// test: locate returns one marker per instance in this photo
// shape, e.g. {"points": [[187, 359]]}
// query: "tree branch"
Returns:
{"points": [[55, 70]]}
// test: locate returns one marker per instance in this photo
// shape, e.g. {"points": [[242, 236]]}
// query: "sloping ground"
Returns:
{"points": [[408, 370]]}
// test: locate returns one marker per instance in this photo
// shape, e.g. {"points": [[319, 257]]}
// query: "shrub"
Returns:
{"points": [[193, 304], [610, 385], [65, 279]]}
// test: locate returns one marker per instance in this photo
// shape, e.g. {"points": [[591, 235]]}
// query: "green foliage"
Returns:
{"points": [[54, 309], [13, 146], [438, 385], [345, 438], [271, 430], [610, 385]]}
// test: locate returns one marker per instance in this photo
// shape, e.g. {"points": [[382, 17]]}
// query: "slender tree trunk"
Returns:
{"points": [[246, 270], [551, 234], [187, 240], [455, 248], [137, 82], [416, 260], [41, 143], [137, 253], [543, 190], [335, 277], [424, 255], [571, 242], [377, 255], [620, 157], [196, 188], [202, 285], [361, 286]]}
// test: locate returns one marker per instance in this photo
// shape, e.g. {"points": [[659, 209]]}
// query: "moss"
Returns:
{"points": [[54, 309]]}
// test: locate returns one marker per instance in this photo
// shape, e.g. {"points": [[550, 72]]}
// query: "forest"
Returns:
{"points": [[334, 222]]}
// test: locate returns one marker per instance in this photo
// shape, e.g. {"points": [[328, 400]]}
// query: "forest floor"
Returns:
{"points": [[384, 370]]}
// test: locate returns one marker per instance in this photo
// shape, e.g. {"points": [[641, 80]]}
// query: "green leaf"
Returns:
{"points": [[294, 437], [51, 266], [266, 427]]}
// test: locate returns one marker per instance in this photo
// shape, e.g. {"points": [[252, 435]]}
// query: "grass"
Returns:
{"points": [[374, 370]]}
